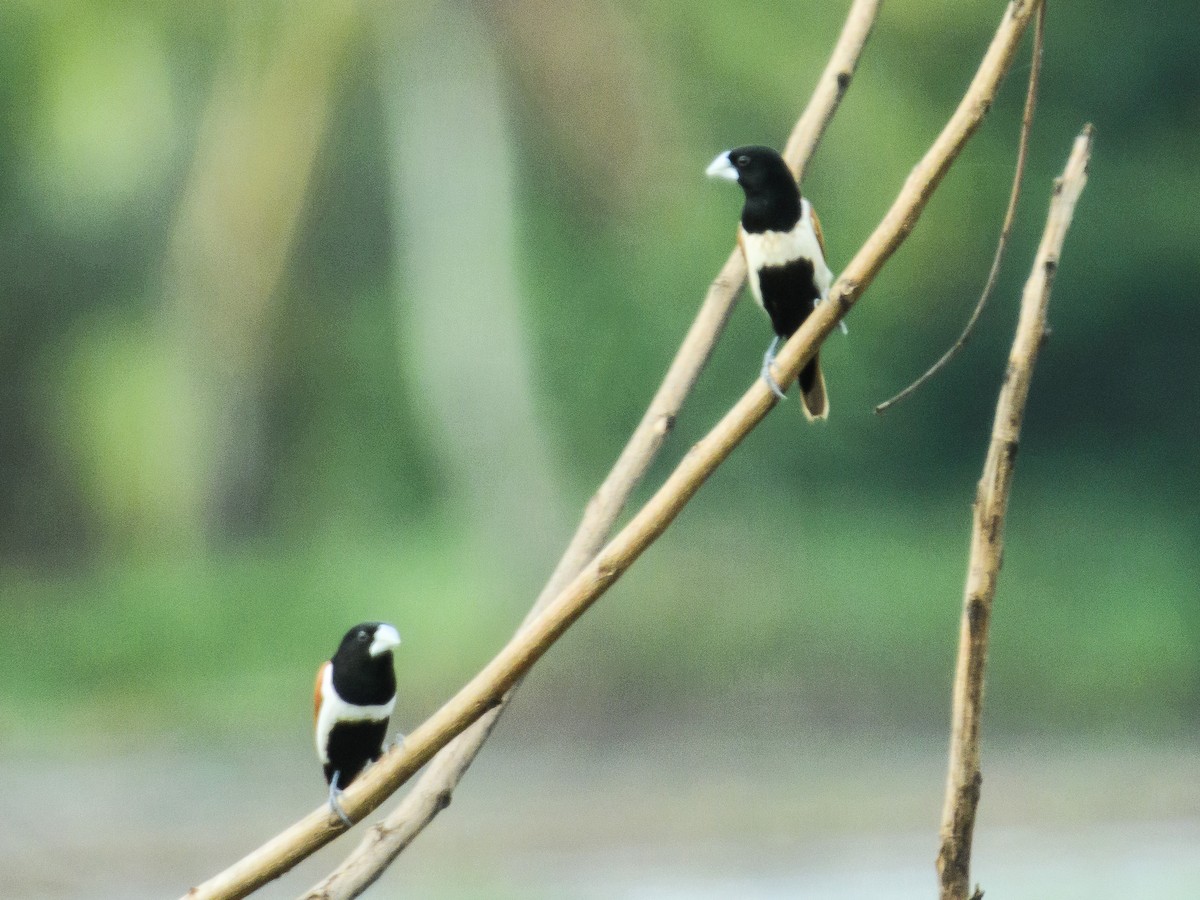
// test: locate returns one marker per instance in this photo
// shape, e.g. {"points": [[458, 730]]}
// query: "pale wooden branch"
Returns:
{"points": [[1010, 215], [431, 794], [486, 689], [987, 535]]}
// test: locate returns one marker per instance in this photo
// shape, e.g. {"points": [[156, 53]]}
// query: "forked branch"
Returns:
{"points": [[385, 840], [487, 688], [963, 780]]}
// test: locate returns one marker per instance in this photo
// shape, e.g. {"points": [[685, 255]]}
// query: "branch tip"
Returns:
{"points": [[963, 777], [1005, 228]]}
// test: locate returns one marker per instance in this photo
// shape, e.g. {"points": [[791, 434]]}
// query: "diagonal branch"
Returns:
{"points": [[385, 840], [486, 689], [987, 535]]}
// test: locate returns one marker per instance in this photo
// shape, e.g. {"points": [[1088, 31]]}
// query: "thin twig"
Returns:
{"points": [[431, 794], [1005, 229], [485, 690], [987, 535]]}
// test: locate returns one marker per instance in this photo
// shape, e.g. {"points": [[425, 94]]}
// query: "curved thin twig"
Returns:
{"points": [[385, 840], [963, 779], [486, 689], [1005, 229]]}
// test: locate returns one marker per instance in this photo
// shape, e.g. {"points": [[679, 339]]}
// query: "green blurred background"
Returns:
{"points": [[320, 312]]}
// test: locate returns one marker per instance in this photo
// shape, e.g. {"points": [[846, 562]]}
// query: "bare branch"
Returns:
{"points": [[486, 689], [832, 86], [987, 536], [1005, 229], [431, 794]]}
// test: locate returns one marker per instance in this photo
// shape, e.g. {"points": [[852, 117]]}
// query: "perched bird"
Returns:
{"points": [[780, 237], [352, 701]]}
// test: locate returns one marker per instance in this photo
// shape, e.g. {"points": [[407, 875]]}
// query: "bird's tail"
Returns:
{"points": [[812, 390]]}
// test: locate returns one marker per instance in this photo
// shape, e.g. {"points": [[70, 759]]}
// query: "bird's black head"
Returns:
{"points": [[362, 666], [772, 196], [370, 640]]}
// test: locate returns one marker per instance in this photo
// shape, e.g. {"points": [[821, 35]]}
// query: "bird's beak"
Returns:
{"points": [[721, 167], [386, 637]]}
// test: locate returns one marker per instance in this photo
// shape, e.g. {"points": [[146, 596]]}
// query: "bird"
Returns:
{"points": [[780, 238], [352, 702]]}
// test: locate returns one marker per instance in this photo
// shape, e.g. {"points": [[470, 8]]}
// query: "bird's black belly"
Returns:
{"points": [[351, 746], [788, 293]]}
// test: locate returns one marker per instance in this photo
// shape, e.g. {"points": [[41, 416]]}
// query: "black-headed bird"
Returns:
{"points": [[781, 239], [352, 702]]}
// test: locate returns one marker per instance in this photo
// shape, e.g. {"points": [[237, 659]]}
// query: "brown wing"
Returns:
{"points": [[817, 229], [317, 691]]}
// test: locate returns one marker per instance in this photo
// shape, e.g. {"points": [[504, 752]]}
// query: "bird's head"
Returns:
{"points": [[759, 170], [370, 639]]}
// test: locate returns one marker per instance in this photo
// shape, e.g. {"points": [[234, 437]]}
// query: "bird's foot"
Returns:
{"points": [[397, 741], [768, 359], [334, 803], [773, 384]]}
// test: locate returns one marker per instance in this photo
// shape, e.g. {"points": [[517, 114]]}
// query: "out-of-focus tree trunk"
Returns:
{"points": [[457, 294], [234, 228]]}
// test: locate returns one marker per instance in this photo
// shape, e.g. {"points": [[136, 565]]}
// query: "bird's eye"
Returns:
{"points": [[742, 161], [362, 635]]}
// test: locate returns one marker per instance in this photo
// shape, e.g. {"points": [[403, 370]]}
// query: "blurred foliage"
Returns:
{"points": [[201, 487]]}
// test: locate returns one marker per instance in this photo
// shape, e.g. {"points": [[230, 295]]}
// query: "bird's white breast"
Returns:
{"points": [[778, 248], [334, 709]]}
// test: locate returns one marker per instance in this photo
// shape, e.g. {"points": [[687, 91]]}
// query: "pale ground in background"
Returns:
{"points": [[704, 818]]}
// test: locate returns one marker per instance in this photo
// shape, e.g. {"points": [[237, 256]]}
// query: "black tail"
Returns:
{"points": [[812, 390]]}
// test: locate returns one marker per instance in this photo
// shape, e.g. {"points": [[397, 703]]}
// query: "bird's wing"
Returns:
{"points": [[817, 230], [317, 691]]}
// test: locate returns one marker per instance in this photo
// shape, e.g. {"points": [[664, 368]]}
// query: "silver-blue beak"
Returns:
{"points": [[386, 638], [721, 167]]}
